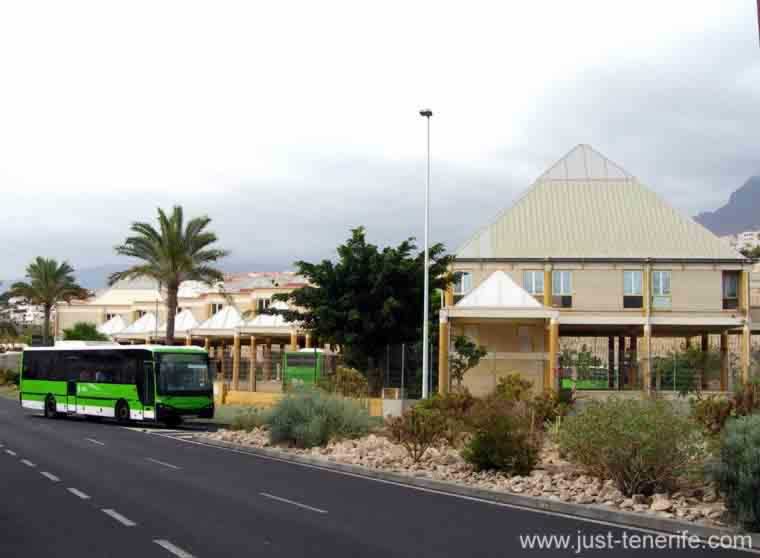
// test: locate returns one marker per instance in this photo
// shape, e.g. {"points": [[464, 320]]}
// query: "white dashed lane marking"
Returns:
{"points": [[291, 502], [94, 441], [28, 463], [78, 493], [10, 452], [120, 518], [177, 551], [164, 463], [50, 476]]}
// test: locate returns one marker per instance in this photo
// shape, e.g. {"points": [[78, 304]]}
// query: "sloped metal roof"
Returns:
{"points": [[586, 206]]}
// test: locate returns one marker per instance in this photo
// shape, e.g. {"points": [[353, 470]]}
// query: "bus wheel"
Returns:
{"points": [[50, 411], [122, 412]]}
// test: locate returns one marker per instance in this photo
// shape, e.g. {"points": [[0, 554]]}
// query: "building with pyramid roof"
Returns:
{"points": [[589, 251]]}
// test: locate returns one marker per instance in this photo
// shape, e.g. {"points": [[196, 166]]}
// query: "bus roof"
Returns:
{"points": [[112, 347]]}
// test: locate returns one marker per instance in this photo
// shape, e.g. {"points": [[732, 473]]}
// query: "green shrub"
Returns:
{"points": [[454, 409], [644, 446], [712, 412], [503, 437], [550, 405], [737, 472], [309, 417], [249, 419], [346, 381], [418, 429], [513, 387]]}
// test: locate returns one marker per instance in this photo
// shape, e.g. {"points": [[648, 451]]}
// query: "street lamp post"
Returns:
{"points": [[426, 113]]}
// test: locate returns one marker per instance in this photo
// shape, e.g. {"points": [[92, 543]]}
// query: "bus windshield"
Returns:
{"points": [[183, 374]]}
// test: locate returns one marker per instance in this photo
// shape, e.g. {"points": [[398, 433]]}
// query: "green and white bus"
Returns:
{"points": [[137, 382]]}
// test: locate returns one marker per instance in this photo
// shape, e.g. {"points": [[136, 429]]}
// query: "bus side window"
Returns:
{"points": [[30, 365]]}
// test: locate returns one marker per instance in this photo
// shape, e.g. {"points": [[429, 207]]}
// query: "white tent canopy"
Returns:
{"points": [[146, 325], [499, 297], [183, 322], [113, 326], [499, 290], [223, 322]]}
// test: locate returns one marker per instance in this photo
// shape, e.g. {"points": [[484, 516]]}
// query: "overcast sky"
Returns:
{"points": [[291, 122]]}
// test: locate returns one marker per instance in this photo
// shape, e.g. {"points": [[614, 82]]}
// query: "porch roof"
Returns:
{"points": [[499, 297]]}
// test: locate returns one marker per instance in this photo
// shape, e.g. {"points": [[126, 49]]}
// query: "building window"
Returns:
{"points": [[730, 290], [140, 314], [533, 282], [462, 283], [216, 307], [661, 290], [110, 316], [632, 289], [262, 304], [562, 289]]}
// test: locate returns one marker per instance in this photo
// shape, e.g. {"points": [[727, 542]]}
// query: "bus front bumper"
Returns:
{"points": [[165, 412]]}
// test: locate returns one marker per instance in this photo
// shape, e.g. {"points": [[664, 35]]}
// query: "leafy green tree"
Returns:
{"points": [[83, 331], [369, 298], [49, 283], [171, 254], [466, 356]]}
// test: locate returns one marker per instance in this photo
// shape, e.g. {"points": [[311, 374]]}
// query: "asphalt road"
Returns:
{"points": [[72, 487]]}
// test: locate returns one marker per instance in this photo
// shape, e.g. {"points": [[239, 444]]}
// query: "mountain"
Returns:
{"points": [[741, 213]]}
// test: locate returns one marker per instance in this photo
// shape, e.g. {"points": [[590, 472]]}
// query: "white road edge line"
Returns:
{"points": [[177, 551], [120, 518], [10, 452], [163, 463], [441, 492], [50, 476], [28, 463], [299, 504], [94, 441], [78, 493]]}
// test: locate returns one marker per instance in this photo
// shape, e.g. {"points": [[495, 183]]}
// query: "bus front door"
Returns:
{"points": [[71, 396]]}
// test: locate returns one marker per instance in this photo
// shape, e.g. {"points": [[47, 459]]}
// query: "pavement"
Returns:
{"points": [[72, 487]]}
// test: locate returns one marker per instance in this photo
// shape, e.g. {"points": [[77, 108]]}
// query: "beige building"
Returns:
{"points": [[139, 303], [590, 252]]}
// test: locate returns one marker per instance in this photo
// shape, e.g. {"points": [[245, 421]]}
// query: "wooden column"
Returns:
{"points": [[646, 359], [293, 340], [236, 361], [548, 286], [745, 356], [443, 355], [252, 373], [724, 361], [553, 353], [448, 296], [188, 340], [268, 360], [206, 344]]}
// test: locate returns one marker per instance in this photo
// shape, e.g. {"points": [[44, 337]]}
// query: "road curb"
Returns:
{"points": [[537, 503]]}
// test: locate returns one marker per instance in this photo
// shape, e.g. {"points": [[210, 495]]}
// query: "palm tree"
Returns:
{"points": [[171, 255], [49, 283]]}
